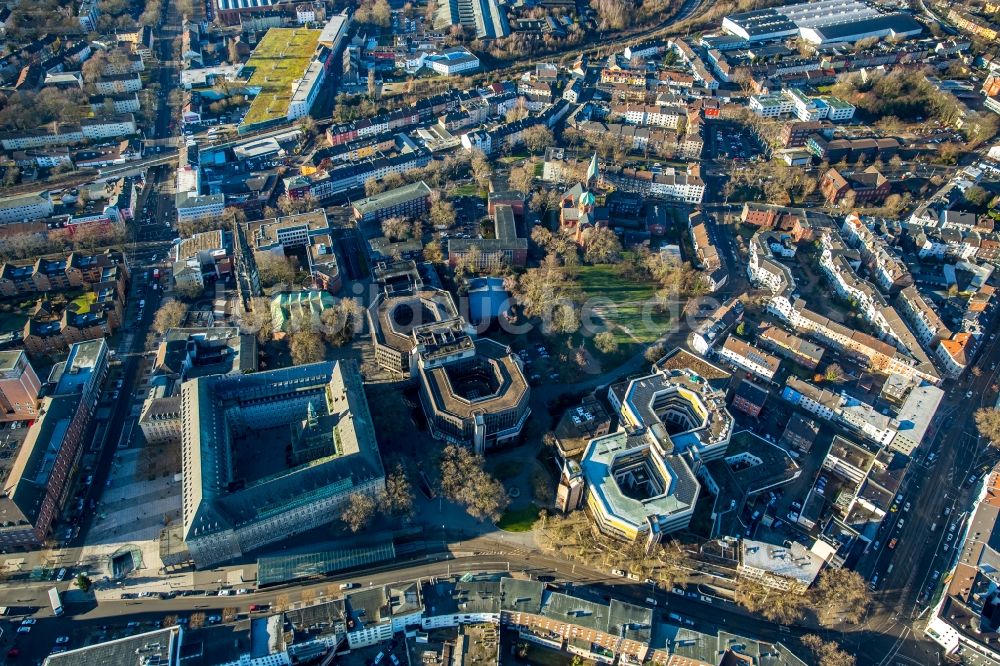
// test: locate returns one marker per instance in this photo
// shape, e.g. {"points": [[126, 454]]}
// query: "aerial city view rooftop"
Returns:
{"points": [[470, 332]]}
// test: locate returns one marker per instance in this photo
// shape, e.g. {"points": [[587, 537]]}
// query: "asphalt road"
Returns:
{"points": [[905, 591], [81, 621], [154, 239], [890, 636]]}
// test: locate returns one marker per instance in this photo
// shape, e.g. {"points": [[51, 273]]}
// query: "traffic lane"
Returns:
{"points": [[131, 367], [917, 547], [915, 537], [596, 584]]}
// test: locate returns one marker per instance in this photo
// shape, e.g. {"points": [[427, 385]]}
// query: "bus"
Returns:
{"points": [[56, 602]]}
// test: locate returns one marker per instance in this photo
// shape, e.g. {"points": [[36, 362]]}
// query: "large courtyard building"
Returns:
{"points": [[635, 488], [393, 318], [473, 391], [679, 407], [640, 481], [272, 454], [183, 354], [280, 235]]}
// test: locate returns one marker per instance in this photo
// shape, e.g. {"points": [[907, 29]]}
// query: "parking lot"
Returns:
{"points": [[469, 214], [730, 141]]}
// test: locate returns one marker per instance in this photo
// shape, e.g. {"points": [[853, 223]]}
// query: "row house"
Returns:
{"points": [[749, 358], [680, 81], [626, 76], [663, 142], [874, 309], [508, 135], [323, 185], [93, 315], [57, 273], [625, 94], [876, 354], [500, 96], [670, 117], [120, 104], [975, 25], [922, 318], [66, 134], [353, 151], [706, 254], [887, 270], [791, 346], [951, 243], [644, 50], [670, 184], [701, 72], [765, 272], [118, 83], [953, 354]]}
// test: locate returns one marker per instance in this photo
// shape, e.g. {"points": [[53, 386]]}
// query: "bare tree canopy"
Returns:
{"points": [[307, 346], [464, 481], [359, 511], [826, 653], [170, 315]]}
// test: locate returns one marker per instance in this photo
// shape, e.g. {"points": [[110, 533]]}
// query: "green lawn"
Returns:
{"points": [[519, 520], [470, 190], [515, 157], [629, 307], [83, 302]]}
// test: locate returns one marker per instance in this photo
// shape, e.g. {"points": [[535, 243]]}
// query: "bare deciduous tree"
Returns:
{"points": [[463, 480], [306, 346], [359, 511], [170, 315]]}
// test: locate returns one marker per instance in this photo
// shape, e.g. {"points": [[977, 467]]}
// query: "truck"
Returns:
{"points": [[156, 273], [56, 602]]}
